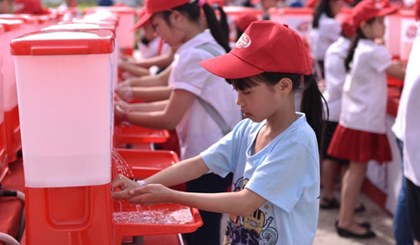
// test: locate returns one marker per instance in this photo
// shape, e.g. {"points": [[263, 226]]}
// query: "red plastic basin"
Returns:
{"points": [[124, 134]]}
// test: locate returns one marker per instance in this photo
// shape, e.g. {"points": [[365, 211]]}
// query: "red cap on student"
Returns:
{"points": [[155, 6], [243, 20], [265, 46], [314, 3], [29, 7], [369, 9], [347, 26], [141, 22]]}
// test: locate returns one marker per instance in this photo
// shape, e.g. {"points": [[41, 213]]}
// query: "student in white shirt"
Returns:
{"points": [[190, 89], [361, 133], [406, 129], [273, 153], [335, 75], [325, 30]]}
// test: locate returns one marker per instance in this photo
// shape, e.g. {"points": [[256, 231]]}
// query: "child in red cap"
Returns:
{"points": [[325, 30], [361, 133], [199, 105], [152, 50], [273, 153]]}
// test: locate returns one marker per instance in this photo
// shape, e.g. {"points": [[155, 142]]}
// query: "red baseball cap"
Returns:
{"points": [[141, 21], [243, 20], [29, 7], [347, 26], [155, 6], [314, 3], [265, 46], [369, 9]]}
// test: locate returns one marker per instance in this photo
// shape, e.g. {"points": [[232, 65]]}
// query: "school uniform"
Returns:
{"points": [[285, 173], [361, 133], [321, 38], [335, 75], [197, 130], [407, 130]]}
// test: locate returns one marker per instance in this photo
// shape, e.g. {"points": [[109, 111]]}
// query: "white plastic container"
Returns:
{"points": [[91, 26], [126, 23], [299, 19], [65, 103], [13, 28], [30, 23], [232, 12], [3, 154]]}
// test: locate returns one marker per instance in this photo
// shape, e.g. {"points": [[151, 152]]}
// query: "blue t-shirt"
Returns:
{"points": [[285, 173]]}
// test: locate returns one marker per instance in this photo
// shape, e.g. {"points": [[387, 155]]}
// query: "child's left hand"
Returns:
{"points": [[118, 114], [125, 185]]}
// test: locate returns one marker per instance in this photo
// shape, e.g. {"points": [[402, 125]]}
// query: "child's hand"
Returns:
{"points": [[125, 93], [125, 83], [150, 194], [118, 114], [125, 185]]}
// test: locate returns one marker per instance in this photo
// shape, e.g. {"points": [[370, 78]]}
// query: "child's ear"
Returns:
{"points": [[176, 16], [285, 85]]}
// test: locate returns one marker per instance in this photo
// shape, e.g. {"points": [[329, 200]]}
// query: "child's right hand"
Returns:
{"points": [[125, 185], [125, 93]]}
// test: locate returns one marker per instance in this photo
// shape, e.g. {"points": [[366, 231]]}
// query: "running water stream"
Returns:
{"points": [[150, 215]]}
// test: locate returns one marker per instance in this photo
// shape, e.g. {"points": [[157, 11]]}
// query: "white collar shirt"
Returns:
{"points": [[365, 89], [406, 126], [335, 75], [321, 38], [197, 130]]}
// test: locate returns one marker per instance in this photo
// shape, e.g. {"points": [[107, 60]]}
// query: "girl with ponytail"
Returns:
{"points": [[184, 103], [361, 132], [273, 153]]}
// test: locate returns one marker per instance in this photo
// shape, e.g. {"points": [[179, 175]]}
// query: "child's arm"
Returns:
{"points": [[133, 69], [160, 79], [143, 107], [242, 203], [397, 70], [181, 172], [179, 102], [160, 61], [156, 93]]}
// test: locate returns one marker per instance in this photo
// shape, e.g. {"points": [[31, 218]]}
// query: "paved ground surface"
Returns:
{"points": [[381, 224]]}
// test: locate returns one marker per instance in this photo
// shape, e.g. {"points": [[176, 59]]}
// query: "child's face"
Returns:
{"points": [[257, 103], [376, 29], [170, 34], [267, 4], [6, 6], [148, 32], [336, 6]]}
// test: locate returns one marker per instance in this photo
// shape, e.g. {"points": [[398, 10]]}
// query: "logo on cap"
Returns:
{"points": [[243, 42]]}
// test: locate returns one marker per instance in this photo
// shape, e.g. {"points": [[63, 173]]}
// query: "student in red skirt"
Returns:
{"points": [[361, 133]]}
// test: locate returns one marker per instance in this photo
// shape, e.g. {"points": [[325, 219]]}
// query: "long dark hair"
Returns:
{"points": [[312, 99], [219, 30], [353, 46], [323, 7]]}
